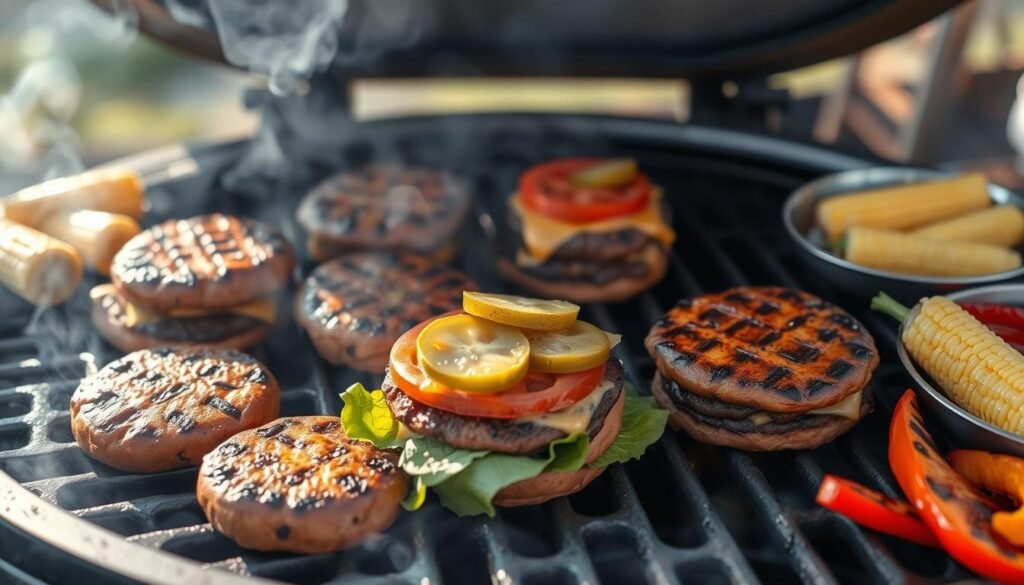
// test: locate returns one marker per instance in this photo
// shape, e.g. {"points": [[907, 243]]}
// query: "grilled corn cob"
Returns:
{"points": [[97, 235], [977, 369], [904, 206], [998, 226], [40, 269], [905, 254], [111, 190]]}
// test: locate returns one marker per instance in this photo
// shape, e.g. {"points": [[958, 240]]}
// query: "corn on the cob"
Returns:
{"points": [[97, 235], [998, 226], [903, 207], [905, 254], [975, 368], [111, 190], [40, 269]]}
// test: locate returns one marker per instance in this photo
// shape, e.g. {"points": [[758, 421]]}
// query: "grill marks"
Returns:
{"points": [[743, 341]]}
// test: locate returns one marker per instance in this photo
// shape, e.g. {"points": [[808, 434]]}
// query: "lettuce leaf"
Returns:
{"points": [[366, 417], [643, 422], [433, 461]]}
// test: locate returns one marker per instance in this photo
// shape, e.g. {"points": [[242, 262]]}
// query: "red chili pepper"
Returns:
{"points": [[874, 510], [993, 314], [954, 510]]}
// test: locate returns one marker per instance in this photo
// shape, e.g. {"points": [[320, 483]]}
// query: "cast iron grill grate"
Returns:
{"points": [[687, 512]]}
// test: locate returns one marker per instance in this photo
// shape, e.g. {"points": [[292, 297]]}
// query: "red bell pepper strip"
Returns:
{"points": [[994, 314], [874, 510], [953, 509]]}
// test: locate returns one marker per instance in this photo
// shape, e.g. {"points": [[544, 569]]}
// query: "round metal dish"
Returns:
{"points": [[964, 429], [798, 217]]}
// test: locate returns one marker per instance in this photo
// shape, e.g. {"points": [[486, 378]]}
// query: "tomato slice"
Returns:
{"points": [[533, 395], [547, 189]]}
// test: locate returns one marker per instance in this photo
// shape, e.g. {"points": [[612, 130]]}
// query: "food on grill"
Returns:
{"points": [[903, 206], [112, 190], [586, 229], [1001, 474], [906, 254], [40, 269], [161, 409], [539, 314], [874, 510], [496, 440], [580, 346], [954, 510], [209, 280], [97, 235], [298, 484], [385, 206], [979, 371], [996, 226], [762, 368], [356, 306]]}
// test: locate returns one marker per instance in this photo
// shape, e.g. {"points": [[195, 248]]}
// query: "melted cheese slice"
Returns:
{"points": [[264, 309], [848, 407], [543, 235], [576, 418]]}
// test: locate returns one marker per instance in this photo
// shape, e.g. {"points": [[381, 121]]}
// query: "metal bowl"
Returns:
{"points": [[798, 217], [964, 429]]}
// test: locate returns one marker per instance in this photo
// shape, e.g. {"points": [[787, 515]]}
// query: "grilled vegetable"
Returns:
{"points": [[955, 512], [998, 473], [903, 206], [549, 189], [977, 369], [97, 235], [997, 226], [473, 354], [900, 253], [579, 347], [40, 269], [610, 173], [111, 190], [542, 314], [873, 509]]}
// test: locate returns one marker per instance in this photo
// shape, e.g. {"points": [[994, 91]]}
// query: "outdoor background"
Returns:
{"points": [[78, 88]]}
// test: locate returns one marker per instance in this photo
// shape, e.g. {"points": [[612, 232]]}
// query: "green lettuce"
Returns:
{"points": [[466, 481]]}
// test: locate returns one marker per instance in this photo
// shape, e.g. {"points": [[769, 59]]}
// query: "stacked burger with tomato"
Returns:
{"points": [[512, 401], [586, 229]]}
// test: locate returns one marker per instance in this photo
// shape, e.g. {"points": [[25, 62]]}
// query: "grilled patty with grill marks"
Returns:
{"points": [[163, 409], [774, 349], [298, 484], [492, 434]]}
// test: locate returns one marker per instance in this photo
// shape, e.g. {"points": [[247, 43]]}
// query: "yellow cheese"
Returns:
{"points": [[848, 407], [576, 418], [543, 235], [264, 309]]}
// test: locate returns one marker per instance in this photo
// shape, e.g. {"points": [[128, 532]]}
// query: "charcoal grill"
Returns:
{"points": [[685, 513]]}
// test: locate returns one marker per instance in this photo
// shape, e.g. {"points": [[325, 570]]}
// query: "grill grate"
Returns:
{"points": [[687, 512]]}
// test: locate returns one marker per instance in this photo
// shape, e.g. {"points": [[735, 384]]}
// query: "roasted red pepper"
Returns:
{"points": [[953, 509], [993, 314], [998, 473], [873, 509]]}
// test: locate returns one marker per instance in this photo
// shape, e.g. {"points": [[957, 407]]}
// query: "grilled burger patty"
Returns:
{"points": [[491, 434], [298, 484], [596, 247], [770, 348], [162, 409]]}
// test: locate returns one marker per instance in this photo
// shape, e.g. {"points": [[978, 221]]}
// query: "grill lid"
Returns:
{"points": [[656, 38]]}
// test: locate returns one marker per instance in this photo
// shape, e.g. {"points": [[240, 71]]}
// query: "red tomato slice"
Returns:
{"points": [[546, 189], [536, 394]]}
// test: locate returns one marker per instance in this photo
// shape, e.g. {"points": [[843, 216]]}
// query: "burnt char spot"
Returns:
{"points": [[721, 373], [262, 460], [816, 386], [209, 370], [767, 308], [149, 376], [737, 326], [283, 532], [743, 356], [775, 375], [789, 392], [708, 344], [380, 464], [378, 329], [285, 440], [684, 303], [684, 331], [224, 385], [162, 351], [221, 473], [309, 503], [353, 484], [149, 432], [338, 452], [844, 321], [257, 376], [801, 354], [939, 489], [267, 432], [298, 476], [839, 369], [825, 334], [231, 449], [920, 448], [224, 406], [769, 338], [122, 367], [685, 357], [389, 311], [326, 426], [247, 492], [858, 351], [711, 317], [795, 322], [361, 324], [184, 422], [738, 298], [789, 294]]}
